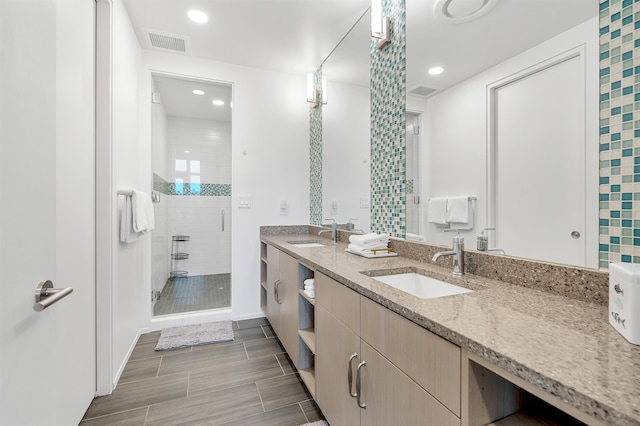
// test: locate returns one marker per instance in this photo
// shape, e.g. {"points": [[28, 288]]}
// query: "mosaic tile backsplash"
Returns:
{"points": [[191, 189], [388, 123], [619, 132], [315, 160]]}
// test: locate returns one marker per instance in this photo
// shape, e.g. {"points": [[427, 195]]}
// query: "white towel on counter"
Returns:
{"points": [[437, 210], [142, 211], [368, 240], [127, 234]]}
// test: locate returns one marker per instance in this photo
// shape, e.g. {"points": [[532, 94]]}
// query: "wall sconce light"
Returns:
{"points": [[314, 96], [380, 25]]}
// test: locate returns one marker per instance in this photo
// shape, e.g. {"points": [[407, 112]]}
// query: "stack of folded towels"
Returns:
{"points": [[310, 287], [365, 244]]}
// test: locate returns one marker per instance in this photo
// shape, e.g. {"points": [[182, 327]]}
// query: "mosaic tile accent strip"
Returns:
{"points": [[160, 184], [315, 160], [200, 189], [388, 123], [409, 188], [619, 132]]}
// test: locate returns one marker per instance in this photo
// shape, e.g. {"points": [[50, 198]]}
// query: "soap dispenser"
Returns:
{"points": [[483, 240]]}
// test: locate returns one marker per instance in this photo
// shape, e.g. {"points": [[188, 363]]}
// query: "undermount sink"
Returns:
{"points": [[306, 244], [421, 286]]}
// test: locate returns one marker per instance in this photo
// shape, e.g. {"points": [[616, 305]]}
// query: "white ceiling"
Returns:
{"points": [[292, 36], [178, 98]]}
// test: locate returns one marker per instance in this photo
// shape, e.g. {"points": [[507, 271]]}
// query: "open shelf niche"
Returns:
{"points": [[306, 332], [263, 277]]}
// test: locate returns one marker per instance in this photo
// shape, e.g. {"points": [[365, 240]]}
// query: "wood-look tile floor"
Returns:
{"points": [[250, 381]]}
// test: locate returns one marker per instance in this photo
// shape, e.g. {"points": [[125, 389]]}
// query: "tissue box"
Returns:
{"points": [[624, 300]]}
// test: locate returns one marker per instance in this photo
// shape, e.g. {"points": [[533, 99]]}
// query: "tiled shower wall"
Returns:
{"points": [[619, 132], [388, 124]]}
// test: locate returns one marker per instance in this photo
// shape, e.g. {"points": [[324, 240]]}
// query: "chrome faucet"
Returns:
{"points": [[458, 255], [333, 230]]}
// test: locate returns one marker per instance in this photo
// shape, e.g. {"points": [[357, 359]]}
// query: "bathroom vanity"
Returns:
{"points": [[501, 354]]}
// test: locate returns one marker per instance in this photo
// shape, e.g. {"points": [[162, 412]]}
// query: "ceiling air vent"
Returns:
{"points": [[422, 91], [160, 40]]}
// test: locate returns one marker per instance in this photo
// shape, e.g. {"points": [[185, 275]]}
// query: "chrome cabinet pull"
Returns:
{"points": [[46, 295], [277, 291], [358, 388], [350, 375], [222, 217]]}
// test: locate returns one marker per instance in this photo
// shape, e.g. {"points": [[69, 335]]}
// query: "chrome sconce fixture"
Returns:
{"points": [[315, 96], [380, 25]]}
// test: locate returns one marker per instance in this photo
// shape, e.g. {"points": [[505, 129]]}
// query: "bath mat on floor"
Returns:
{"points": [[318, 423], [194, 335]]}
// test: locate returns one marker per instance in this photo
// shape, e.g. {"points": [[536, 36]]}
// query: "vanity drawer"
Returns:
{"points": [[428, 359], [340, 301]]}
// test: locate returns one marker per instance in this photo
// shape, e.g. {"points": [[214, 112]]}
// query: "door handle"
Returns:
{"points": [[350, 375], [46, 295], [358, 383], [276, 293], [222, 219]]}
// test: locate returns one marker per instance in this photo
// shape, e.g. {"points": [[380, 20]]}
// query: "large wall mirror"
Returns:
{"points": [[511, 122], [345, 130]]}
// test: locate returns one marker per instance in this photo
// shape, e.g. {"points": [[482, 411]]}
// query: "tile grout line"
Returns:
{"points": [[280, 364], [260, 396], [303, 413]]}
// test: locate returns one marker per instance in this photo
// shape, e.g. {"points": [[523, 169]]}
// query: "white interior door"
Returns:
{"points": [[47, 228], [539, 160]]}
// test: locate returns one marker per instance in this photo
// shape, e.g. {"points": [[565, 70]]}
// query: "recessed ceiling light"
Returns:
{"points": [[198, 16], [218, 102], [198, 92], [187, 151], [436, 70]]}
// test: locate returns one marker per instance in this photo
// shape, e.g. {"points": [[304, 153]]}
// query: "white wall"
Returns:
{"points": [[131, 169], [455, 129], [346, 152], [270, 156]]}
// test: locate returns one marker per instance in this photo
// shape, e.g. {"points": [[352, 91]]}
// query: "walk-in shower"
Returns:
{"points": [[191, 163]]}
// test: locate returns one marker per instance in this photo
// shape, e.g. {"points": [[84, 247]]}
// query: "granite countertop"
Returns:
{"points": [[564, 346]]}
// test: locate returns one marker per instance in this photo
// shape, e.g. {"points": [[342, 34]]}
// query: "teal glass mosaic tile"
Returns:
{"points": [[388, 123], [315, 160], [619, 131]]}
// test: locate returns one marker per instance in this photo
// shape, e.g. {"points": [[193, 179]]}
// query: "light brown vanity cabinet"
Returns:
{"points": [[389, 350], [282, 299]]}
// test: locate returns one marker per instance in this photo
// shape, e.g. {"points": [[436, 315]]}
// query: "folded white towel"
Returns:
{"points": [[458, 210], [309, 287], [415, 237], [142, 209], [437, 210], [369, 239], [364, 250], [127, 234], [311, 294], [310, 281]]}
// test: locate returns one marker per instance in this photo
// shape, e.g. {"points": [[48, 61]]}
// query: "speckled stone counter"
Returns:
{"points": [[563, 346]]}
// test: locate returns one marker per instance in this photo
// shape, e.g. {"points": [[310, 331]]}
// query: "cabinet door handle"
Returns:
{"points": [[358, 388], [277, 292], [350, 375]]}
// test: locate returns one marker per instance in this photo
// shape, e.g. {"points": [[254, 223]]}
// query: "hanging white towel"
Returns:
{"points": [[127, 234], [437, 210], [142, 211], [460, 213]]}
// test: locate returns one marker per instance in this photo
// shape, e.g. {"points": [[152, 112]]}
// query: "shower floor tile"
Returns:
{"points": [[196, 293]]}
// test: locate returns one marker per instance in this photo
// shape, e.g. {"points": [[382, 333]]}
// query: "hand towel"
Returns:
{"points": [[415, 237], [311, 294], [458, 210], [142, 210], [309, 281], [437, 210], [127, 234], [369, 239]]}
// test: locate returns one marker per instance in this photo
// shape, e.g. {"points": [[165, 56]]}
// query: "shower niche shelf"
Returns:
{"points": [[178, 255]]}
